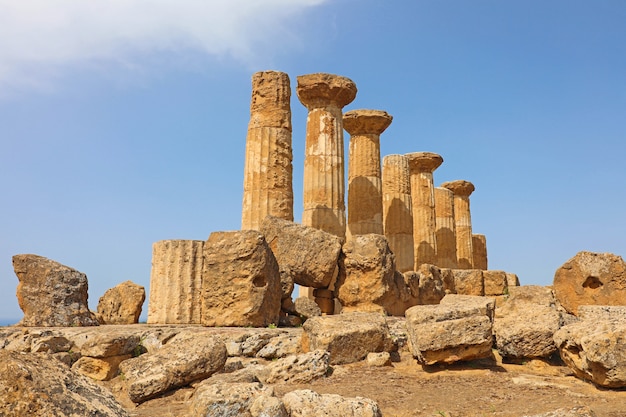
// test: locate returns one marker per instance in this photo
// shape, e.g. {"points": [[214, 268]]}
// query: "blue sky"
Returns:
{"points": [[124, 123]]}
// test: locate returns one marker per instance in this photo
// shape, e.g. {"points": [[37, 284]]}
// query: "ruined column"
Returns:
{"points": [[176, 282], [479, 249], [445, 230], [365, 199], [462, 222], [422, 165], [397, 210], [324, 95], [267, 183]]}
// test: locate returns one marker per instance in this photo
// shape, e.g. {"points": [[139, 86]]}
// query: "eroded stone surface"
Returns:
{"points": [[307, 403], [228, 399], [121, 304]]}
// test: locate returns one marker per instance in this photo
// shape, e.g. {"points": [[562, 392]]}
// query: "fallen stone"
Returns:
{"points": [[306, 307], [378, 359], [469, 282], [431, 285], [590, 279], [348, 337], [267, 406], [99, 369], [307, 403], [224, 400], [121, 304], [289, 321], [98, 344], [51, 294], [240, 281], [298, 369], [604, 313], [280, 346], [495, 282]]}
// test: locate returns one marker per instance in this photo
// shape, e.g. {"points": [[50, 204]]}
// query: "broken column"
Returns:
{"points": [[324, 95], [267, 184], [365, 201], [397, 210], [462, 221], [176, 282], [445, 230], [422, 165], [479, 249]]}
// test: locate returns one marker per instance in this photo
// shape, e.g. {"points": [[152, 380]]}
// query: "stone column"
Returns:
{"points": [[267, 183], [324, 95], [365, 199], [462, 221], [397, 210], [422, 165], [445, 230], [176, 282], [479, 249]]}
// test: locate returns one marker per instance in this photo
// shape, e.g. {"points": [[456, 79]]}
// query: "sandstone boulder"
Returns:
{"points": [[51, 294], [525, 325], [37, 385], [121, 304], [307, 308], [595, 349], [298, 369], [306, 256], [591, 279], [99, 369], [229, 399], [431, 284], [468, 282], [495, 282], [348, 337], [240, 281], [95, 343], [266, 406], [307, 403], [457, 329], [187, 357]]}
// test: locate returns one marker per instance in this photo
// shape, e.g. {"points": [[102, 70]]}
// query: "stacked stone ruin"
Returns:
{"points": [[423, 224]]}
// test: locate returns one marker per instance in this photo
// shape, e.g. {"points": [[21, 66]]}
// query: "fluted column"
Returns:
{"points": [[445, 230], [365, 199], [422, 165], [325, 95], [397, 210], [267, 184], [462, 221], [479, 249], [176, 282]]}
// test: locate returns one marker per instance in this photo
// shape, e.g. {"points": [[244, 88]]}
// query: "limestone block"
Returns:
{"points": [[456, 330], [298, 369], [121, 304], [591, 279], [240, 281], [230, 399], [378, 359], [397, 209], [98, 344], [305, 255], [495, 282], [280, 346], [605, 313], [185, 358], [512, 280], [524, 326], [99, 369], [445, 228], [176, 282], [40, 385], [479, 248], [431, 285], [595, 350], [51, 294], [50, 344], [307, 308], [307, 403], [367, 275], [348, 337], [266, 406], [469, 281]]}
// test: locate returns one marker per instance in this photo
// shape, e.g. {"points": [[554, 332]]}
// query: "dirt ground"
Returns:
{"points": [[474, 389]]}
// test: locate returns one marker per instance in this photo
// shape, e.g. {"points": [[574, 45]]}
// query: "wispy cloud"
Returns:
{"points": [[39, 39]]}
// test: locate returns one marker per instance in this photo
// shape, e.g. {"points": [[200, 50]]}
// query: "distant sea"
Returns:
{"points": [[8, 322]]}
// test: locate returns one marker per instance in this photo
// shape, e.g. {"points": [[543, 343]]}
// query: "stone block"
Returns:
{"points": [[307, 403], [495, 282], [469, 282], [121, 304], [229, 399]]}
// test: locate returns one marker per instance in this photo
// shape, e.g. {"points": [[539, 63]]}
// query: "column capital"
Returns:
{"points": [[460, 187], [364, 121], [320, 89], [424, 161]]}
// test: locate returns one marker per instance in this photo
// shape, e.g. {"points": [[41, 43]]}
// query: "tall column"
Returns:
{"points": [[422, 165], [397, 210], [324, 95], [479, 248], [365, 198], [176, 282], [445, 230], [267, 183], [462, 221]]}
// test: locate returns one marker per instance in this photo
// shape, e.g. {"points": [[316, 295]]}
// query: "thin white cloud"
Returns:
{"points": [[41, 38]]}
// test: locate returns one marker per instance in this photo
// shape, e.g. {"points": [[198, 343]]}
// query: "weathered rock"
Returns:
{"points": [[431, 285], [254, 343], [457, 329], [495, 282], [121, 304], [512, 280], [378, 359], [38, 385], [591, 279], [348, 337], [280, 346], [595, 350], [225, 400], [99, 369], [604, 313], [51, 294], [306, 307], [525, 325], [579, 411], [289, 321], [367, 275], [469, 281], [296, 369], [185, 358], [50, 344], [97, 344], [307, 403], [305, 255], [241, 281], [266, 406]]}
